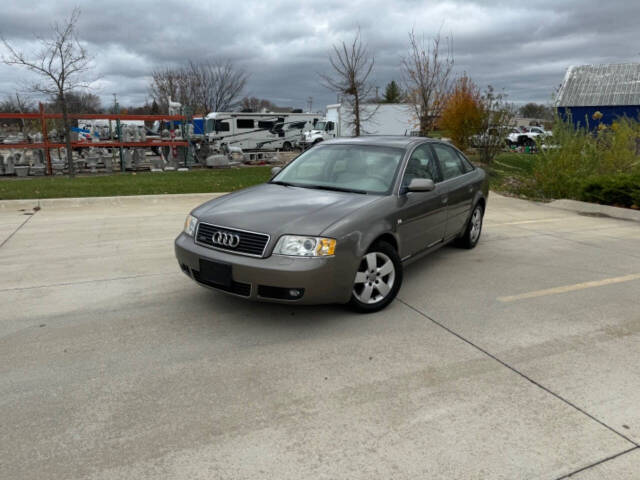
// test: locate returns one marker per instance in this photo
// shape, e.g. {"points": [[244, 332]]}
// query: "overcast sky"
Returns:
{"points": [[523, 47]]}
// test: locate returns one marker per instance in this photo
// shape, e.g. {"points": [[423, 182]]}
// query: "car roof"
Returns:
{"points": [[398, 141]]}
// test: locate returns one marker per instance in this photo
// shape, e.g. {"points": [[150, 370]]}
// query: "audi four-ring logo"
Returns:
{"points": [[226, 239]]}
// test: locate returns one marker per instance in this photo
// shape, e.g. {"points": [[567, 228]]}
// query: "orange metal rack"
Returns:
{"points": [[46, 145]]}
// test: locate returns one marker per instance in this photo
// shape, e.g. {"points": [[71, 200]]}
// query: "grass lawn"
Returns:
{"points": [[147, 183], [511, 173]]}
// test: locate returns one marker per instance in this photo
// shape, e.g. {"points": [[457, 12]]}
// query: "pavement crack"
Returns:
{"points": [[521, 374], [599, 462], [17, 229]]}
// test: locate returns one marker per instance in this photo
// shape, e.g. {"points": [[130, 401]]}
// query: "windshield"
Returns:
{"points": [[319, 125], [356, 168]]}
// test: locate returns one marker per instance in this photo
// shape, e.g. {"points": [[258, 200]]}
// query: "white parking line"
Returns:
{"points": [[570, 288]]}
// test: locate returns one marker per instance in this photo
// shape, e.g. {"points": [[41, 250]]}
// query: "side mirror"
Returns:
{"points": [[275, 171], [421, 185]]}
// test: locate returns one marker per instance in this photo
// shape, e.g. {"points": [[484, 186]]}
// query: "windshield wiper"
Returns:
{"points": [[335, 189]]}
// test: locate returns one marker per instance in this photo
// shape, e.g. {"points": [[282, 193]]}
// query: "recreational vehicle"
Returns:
{"points": [[257, 131]]}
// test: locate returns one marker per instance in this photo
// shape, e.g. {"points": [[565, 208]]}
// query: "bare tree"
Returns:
{"points": [[253, 104], [78, 102], [497, 120], [169, 83], [62, 62], [221, 84], [212, 86], [352, 65], [427, 78], [17, 104]]}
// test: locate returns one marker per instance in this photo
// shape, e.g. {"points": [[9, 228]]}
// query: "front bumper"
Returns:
{"points": [[324, 280]]}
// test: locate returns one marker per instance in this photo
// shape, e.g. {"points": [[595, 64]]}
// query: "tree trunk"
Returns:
{"points": [[356, 113], [67, 135], [424, 126]]}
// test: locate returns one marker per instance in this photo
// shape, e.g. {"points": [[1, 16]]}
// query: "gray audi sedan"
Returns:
{"points": [[337, 224]]}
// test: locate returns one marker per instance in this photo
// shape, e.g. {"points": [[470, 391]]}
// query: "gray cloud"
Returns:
{"points": [[521, 47]]}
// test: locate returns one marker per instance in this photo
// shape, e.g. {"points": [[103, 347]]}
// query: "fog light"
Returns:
{"points": [[295, 293]]}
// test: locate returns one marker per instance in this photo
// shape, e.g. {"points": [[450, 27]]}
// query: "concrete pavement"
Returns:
{"points": [[517, 359]]}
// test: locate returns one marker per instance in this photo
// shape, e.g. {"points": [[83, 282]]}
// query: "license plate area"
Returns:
{"points": [[217, 273]]}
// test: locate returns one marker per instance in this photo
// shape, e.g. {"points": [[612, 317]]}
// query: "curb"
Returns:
{"points": [[596, 209], [127, 200]]}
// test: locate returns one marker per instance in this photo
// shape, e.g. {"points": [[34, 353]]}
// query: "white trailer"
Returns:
{"points": [[257, 131], [379, 119]]}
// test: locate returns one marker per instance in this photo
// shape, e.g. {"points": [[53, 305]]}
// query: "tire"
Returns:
{"points": [[472, 231], [317, 141], [377, 280], [286, 147]]}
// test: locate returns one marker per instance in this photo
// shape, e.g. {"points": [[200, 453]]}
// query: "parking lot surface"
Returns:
{"points": [[515, 360]]}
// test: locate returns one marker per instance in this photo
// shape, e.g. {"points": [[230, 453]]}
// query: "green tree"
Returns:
{"points": [[392, 93]]}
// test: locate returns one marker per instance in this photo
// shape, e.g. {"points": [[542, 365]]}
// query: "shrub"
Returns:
{"points": [[573, 155], [622, 190]]}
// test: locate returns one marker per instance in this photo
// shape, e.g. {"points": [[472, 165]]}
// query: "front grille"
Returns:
{"points": [[238, 288], [251, 243]]}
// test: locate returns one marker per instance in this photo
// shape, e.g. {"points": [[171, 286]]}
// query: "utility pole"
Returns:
{"points": [[116, 110], [377, 87], [310, 104]]}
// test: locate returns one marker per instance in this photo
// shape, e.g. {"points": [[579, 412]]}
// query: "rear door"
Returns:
{"points": [[460, 189], [421, 215]]}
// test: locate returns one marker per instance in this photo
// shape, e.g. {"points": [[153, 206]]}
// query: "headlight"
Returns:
{"points": [[190, 225], [305, 246]]}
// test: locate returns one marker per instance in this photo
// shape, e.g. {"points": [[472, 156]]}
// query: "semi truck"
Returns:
{"points": [[379, 119]]}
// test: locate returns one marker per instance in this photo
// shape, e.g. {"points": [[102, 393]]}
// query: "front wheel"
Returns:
{"points": [[377, 280], [471, 235]]}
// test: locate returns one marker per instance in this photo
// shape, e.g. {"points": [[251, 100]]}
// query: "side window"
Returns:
{"points": [[222, 126], [265, 124], [450, 164], [244, 123], [421, 164], [466, 164]]}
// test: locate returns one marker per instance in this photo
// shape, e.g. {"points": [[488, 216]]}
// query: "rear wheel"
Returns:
{"points": [[472, 233], [286, 146], [377, 280]]}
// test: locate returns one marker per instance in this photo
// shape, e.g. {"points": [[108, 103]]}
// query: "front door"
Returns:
{"points": [[422, 215]]}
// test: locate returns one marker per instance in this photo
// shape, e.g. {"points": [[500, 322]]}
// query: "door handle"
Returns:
{"points": [[444, 199], [471, 189]]}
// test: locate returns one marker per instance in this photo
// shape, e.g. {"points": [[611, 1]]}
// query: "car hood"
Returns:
{"points": [[277, 209]]}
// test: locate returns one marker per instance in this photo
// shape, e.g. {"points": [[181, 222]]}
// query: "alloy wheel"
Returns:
{"points": [[375, 278], [476, 225]]}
